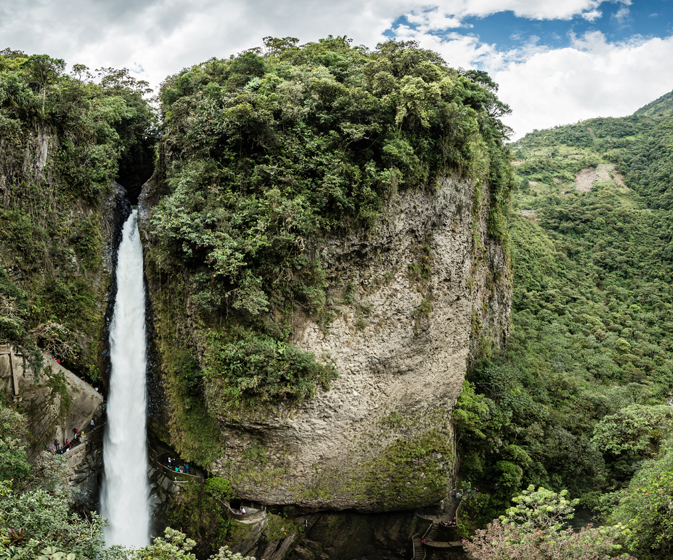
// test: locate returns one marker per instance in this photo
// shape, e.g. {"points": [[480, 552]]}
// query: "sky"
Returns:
{"points": [[557, 61]]}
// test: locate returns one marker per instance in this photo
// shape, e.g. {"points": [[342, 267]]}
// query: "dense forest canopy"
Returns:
{"points": [[576, 401]]}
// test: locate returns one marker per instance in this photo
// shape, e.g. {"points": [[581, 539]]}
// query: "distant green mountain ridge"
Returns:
{"points": [[640, 146], [659, 107]]}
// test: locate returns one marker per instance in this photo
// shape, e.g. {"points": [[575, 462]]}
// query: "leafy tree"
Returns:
{"points": [[646, 508], [175, 545], [260, 367], [471, 412], [636, 430], [172, 546], [44, 70], [44, 520], [533, 529], [13, 461], [540, 510], [502, 541], [219, 487]]}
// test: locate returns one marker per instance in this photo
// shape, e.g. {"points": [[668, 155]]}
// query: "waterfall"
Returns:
{"points": [[125, 490]]}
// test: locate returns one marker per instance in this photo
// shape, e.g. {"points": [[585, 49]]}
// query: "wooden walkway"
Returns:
{"points": [[78, 447], [251, 515], [176, 476]]}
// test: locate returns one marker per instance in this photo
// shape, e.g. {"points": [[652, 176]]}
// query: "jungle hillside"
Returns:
{"points": [[578, 399]]}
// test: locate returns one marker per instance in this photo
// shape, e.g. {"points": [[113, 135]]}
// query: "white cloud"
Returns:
{"points": [[450, 13], [434, 20], [165, 35], [593, 15], [622, 14], [457, 49], [162, 36], [590, 78]]}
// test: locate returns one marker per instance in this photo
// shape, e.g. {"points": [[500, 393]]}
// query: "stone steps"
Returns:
{"points": [[419, 550]]}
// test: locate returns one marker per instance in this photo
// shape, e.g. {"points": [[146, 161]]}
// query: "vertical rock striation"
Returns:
{"points": [[417, 297]]}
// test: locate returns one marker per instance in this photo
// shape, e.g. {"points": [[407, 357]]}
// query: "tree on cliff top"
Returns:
{"points": [[265, 152]]}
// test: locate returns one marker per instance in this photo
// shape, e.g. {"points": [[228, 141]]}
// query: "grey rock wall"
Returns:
{"points": [[50, 415], [86, 465], [381, 438]]}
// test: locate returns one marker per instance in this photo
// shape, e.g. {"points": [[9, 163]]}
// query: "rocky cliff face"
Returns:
{"points": [[57, 259], [55, 400], [418, 294], [58, 248]]}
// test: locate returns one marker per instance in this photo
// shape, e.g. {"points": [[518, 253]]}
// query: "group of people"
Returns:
{"points": [[182, 469], [460, 495], [451, 523], [69, 444]]}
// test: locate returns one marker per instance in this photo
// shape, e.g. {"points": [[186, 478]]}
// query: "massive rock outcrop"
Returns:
{"points": [[309, 218], [417, 295]]}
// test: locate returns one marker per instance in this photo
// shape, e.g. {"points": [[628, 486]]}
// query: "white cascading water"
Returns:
{"points": [[125, 490]]}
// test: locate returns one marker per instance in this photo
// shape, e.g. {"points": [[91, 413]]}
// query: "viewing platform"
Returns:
{"points": [[177, 477]]}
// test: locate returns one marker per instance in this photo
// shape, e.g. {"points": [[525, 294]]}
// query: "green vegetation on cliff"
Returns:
{"points": [[62, 139], [265, 153], [574, 401]]}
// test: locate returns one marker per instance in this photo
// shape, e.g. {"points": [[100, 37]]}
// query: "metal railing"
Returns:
{"points": [[177, 476]]}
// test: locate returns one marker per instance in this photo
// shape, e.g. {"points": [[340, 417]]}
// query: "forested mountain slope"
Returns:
{"points": [[575, 400], [640, 146]]}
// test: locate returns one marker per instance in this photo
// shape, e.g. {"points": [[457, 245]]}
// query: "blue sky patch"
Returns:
{"points": [[647, 19]]}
